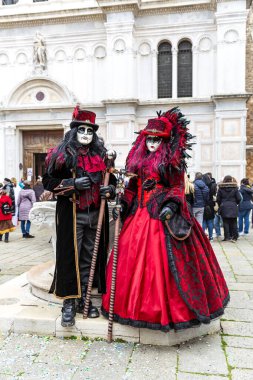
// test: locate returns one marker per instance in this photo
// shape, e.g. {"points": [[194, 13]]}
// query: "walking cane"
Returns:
{"points": [[111, 155], [119, 192]]}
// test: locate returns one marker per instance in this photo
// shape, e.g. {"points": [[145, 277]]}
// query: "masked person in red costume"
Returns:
{"points": [[75, 170], [167, 275]]}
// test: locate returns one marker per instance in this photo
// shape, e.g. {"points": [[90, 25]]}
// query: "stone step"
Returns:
{"points": [[22, 312]]}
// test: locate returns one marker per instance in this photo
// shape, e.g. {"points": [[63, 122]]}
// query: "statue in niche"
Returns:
{"points": [[39, 51]]}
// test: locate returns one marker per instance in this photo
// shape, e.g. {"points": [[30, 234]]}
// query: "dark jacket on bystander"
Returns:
{"points": [[228, 198]]}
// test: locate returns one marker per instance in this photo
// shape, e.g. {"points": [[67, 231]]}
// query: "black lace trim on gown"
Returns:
{"points": [[170, 326], [176, 326]]}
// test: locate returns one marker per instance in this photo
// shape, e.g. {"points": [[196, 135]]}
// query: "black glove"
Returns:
{"points": [[115, 212], [168, 210], [83, 183], [67, 182], [166, 213], [107, 192]]}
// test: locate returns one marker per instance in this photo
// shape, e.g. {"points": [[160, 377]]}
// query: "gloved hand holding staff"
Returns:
{"points": [[111, 155]]}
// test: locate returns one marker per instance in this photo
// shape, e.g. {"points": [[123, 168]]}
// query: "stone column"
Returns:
{"points": [[121, 60], [2, 152], [154, 74], [11, 151], [230, 133], [174, 72], [195, 55]]}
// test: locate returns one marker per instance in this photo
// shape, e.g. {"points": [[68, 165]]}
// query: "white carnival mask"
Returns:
{"points": [[153, 143], [84, 134]]}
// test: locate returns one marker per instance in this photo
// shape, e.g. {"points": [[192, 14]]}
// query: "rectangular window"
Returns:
{"points": [[184, 71], [164, 71], [9, 2]]}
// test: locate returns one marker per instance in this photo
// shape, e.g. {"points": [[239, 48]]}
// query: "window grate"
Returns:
{"points": [[164, 70], [184, 72], [9, 2]]}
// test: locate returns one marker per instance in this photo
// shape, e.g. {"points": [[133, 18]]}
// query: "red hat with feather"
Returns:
{"points": [[80, 117], [159, 126]]}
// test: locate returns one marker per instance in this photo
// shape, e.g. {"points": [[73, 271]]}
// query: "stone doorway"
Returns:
{"points": [[35, 147]]}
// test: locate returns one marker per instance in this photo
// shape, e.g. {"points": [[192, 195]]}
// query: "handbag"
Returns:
{"points": [[208, 212], [6, 208], [178, 227]]}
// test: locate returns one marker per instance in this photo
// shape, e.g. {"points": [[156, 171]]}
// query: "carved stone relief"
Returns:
{"points": [[100, 52], [231, 36], [4, 59], [119, 45], [144, 49], [21, 58], [79, 54], [60, 56], [39, 52], [205, 44]]}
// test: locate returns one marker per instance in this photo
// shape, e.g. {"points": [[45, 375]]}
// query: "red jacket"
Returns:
{"points": [[4, 199]]}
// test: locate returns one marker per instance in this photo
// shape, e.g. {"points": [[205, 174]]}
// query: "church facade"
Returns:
{"points": [[124, 60]]}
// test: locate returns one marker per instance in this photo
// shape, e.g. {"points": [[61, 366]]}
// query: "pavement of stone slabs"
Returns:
{"points": [[228, 355]]}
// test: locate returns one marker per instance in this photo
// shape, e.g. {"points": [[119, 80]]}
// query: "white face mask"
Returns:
{"points": [[84, 134], [153, 143]]}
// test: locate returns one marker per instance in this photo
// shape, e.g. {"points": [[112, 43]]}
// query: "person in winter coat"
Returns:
{"points": [[26, 198], [189, 190], [228, 198], [9, 187], [6, 225], [16, 192], [38, 189], [209, 214], [201, 196], [245, 206]]}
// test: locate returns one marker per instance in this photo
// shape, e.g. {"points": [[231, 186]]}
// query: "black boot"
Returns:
{"points": [[68, 312], [93, 311]]}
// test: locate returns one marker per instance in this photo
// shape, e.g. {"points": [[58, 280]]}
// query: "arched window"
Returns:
{"points": [[164, 70], [184, 69]]}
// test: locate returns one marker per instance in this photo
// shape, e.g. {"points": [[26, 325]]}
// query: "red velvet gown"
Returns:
{"points": [[164, 283]]}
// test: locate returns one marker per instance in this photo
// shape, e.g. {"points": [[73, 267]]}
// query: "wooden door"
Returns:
{"points": [[35, 147]]}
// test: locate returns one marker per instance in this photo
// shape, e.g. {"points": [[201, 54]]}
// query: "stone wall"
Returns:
{"points": [[249, 89]]}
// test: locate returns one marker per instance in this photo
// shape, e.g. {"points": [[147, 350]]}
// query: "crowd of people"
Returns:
{"points": [[214, 205], [221, 204], [16, 201]]}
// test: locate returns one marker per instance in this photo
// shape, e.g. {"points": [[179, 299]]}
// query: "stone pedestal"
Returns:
{"points": [[47, 311], [42, 215]]}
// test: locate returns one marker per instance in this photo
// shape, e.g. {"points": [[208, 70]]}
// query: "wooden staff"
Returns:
{"points": [[97, 240], [113, 281], [120, 190]]}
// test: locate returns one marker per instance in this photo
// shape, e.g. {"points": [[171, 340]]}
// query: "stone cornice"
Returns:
{"points": [[230, 96], [177, 101], [60, 16], [120, 101], [64, 17], [47, 108]]}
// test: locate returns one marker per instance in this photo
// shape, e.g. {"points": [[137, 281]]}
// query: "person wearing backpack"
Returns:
{"points": [[245, 206], [6, 225], [201, 196], [9, 187], [228, 199], [209, 213]]}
